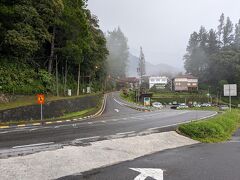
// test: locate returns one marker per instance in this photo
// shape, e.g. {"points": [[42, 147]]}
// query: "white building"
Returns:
{"points": [[160, 80]]}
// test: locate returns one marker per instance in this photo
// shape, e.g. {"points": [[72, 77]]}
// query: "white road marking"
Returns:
{"points": [[156, 128], [123, 133], [5, 132], [93, 137], [120, 103], [117, 110], [137, 118], [103, 121], [32, 145], [145, 173], [33, 129], [183, 112], [90, 122], [233, 141]]}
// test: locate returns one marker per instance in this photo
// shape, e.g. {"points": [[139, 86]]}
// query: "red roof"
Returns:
{"points": [[129, 80]]}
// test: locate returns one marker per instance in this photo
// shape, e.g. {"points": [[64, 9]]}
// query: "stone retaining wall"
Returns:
{"points": [[50, 109]]}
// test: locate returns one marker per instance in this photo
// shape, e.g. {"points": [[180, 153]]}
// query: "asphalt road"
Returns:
{"points": [[197, 162], [115, 119]]}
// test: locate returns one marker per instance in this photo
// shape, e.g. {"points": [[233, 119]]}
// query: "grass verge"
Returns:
{"points": [[202, 108], [129, 99], [217, 129]]}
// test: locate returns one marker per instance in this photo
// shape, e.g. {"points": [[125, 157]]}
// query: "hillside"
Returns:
{"points": [[151, 69]]}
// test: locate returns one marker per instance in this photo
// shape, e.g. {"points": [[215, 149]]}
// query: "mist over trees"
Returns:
{"points": [[214, 55], [118, 53], [49, 46]]}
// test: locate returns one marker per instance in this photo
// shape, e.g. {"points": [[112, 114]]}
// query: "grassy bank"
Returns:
{"points": [[78, 114], [216, 129], [31, 100], [212, 108]]}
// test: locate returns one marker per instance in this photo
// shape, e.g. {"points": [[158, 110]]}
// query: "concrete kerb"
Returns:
{"points": [[143, 109], [99, 113]]}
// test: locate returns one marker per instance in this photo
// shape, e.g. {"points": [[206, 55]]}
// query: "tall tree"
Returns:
{"points": [[212, 42], [214, 57], [227, 33], [141, 64], [196, 56], [23, 30], [220, 29], [118, 53], [237, 35], [202, 38]]}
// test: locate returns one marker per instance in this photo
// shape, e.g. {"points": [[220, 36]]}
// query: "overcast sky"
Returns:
{"points": [[161, 27]]}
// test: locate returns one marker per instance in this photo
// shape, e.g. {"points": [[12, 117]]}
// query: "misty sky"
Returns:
{"points": [[162, 27]]}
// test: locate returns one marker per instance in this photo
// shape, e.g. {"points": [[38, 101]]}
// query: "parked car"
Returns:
{"points": [[223, 107], [174, 106], [182, 106], [206, 105], [197, 105], [157, 105]]}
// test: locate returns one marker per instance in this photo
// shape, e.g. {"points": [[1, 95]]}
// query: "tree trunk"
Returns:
{"points": [[65, 77], [57, 77], [52, 50], [79, 71]]}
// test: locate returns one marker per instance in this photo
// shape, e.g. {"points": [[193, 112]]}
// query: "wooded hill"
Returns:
{"points": [[49, 46]]}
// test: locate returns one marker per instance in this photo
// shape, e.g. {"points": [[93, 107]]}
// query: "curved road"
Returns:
{"points": [[116, 120]]}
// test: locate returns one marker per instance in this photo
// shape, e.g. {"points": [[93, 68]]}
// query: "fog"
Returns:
{"points": [[162, 28]]}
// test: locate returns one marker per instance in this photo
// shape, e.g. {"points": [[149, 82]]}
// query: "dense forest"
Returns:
{"points": [[50, 46], [214, 56]]}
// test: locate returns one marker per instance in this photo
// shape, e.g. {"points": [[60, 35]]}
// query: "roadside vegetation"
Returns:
{"points": [[129, 96], [211, 108], [217, 129], [170, 97], [49, 47]]}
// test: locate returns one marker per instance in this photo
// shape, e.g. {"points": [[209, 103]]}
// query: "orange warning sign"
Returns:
{"points": [[40, 99]]}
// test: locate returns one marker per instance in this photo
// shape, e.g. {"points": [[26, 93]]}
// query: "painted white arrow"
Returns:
{"points": [[146, 172], [116, 110]]}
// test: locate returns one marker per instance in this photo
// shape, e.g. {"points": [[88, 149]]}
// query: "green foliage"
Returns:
{"points": [[30, 29], [170, 97], [217, 129], [129, 95], [215, 56], [20, 78]]}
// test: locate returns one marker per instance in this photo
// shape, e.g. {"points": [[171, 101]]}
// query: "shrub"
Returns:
{"points": [[217, 129]]}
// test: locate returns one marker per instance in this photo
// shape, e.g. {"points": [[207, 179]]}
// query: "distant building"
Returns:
{"points": [[128, 82], [158, 80], [185, 83]]}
